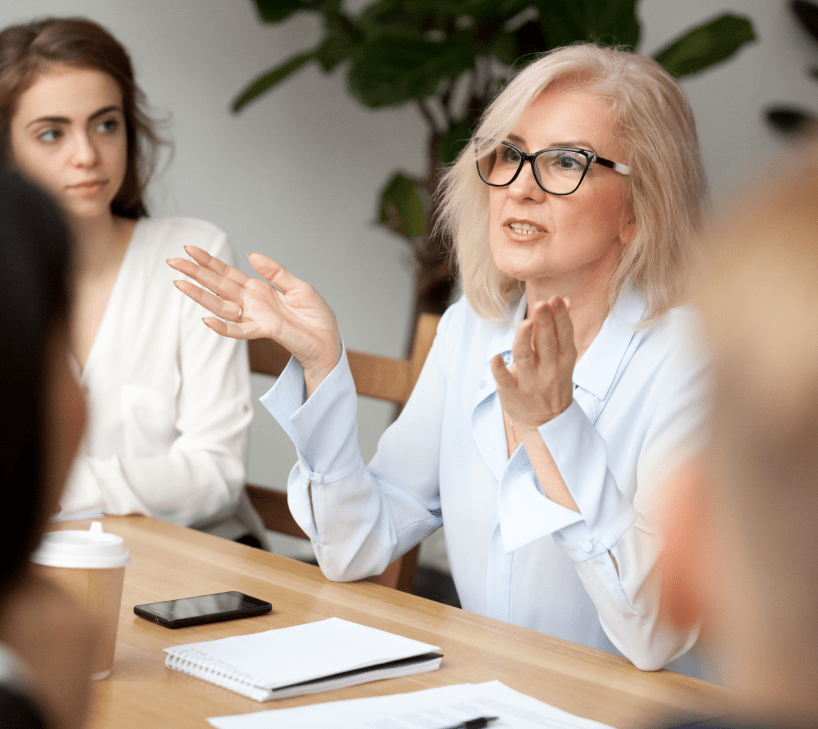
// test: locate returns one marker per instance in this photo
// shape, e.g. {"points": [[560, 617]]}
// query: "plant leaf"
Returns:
{"points": [[334, 50], [393, 68], [610, 22], [706, 45], [271, 78], [274, 11], [614, 22], [386, 13], [807, 14], [504, 47], [528, 42], [562, 22], [342, 40], [789, 120], [452, 142], [402, 206]]}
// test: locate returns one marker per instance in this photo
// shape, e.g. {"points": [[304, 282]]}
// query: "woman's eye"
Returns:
{"points": [[568, 162], [49, 135], [509, 156], [108, 126]]}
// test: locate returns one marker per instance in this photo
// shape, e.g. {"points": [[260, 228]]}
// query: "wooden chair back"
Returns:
{"points": [[383, 378]]}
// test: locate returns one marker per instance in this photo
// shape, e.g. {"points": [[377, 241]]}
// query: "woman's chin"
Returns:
{"points": [[517, 269], [87, 214]]}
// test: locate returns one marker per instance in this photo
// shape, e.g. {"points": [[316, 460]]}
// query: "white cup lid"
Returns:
{"points": [[94, 549]]}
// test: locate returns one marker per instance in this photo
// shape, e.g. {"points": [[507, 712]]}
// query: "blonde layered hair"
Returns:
{"points": [[667, 187]]}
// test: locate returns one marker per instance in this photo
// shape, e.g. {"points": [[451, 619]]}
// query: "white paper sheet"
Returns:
{"points": [[430, 709]]}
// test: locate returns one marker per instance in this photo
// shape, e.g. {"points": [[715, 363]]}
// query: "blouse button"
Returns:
{"points": [[481, 384], [316, 478], [588, 546]]}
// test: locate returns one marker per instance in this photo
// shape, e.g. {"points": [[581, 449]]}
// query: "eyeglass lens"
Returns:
{"points": [[559, 170]]}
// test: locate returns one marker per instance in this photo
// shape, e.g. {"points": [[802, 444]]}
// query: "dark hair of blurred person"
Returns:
{"points": [[742, 537], [34, 303], [45, 639]]}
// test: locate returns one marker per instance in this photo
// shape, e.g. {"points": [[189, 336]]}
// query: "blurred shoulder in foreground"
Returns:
{"points": [[742, 538]]}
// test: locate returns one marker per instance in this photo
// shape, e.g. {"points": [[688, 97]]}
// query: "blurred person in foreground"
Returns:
{"points": [[742, 521], [555, 399], [46, 639]]}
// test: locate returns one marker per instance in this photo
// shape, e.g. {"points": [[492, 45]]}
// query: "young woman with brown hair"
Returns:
{"points": [[168, 400]]}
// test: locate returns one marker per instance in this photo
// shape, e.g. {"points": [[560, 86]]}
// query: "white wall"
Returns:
{"points": [[728, 99], [295, 175]]}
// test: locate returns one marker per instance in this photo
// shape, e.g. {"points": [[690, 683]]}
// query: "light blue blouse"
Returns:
{"points": [[515, 555]]}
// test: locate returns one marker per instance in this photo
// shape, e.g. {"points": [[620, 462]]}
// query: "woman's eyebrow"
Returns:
{"points": [[50, 120], [574, 143], [106, 110], [66, 120]]}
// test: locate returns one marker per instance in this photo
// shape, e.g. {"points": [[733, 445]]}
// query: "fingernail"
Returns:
{"points": [[187, 249], [176, 283], [567, 301]]}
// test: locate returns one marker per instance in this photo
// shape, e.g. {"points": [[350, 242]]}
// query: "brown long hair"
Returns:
{"points": [[27, 50]]}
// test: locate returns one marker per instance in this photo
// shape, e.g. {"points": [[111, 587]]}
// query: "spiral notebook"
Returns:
{"points": [[303, 659]]}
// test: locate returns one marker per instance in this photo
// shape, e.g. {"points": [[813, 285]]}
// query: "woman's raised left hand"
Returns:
{"points": [[537, 386]]}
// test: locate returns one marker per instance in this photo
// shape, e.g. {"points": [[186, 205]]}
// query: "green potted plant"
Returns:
{"points": [[448, 58]]}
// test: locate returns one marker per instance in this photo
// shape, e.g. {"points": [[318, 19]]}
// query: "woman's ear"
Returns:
{"points": [[683, 521], [627, 225]]}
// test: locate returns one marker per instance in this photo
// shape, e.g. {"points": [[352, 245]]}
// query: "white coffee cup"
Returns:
{"points": [[90, 565]]}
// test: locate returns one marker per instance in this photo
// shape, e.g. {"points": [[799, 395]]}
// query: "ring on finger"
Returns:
{"points": [[238, 318]]}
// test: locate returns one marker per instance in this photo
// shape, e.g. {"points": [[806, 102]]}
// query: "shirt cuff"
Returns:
{"points": [[322, 427], [286, 396], [581, 455], [526, 513]]}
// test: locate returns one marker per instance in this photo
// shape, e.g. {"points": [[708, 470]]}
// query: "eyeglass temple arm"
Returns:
{"points": [[621, 169]]}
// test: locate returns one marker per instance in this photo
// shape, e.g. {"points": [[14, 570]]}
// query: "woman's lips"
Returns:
{"points": [[522, 229], [88, 185]]}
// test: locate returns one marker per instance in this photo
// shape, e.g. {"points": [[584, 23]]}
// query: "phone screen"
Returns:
{"points": [[203, 609]]}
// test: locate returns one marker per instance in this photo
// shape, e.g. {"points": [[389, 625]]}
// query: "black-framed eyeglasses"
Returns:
{"points": [[558, 171]]}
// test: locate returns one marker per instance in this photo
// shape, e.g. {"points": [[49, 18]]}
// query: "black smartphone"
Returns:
{"points": [[203, 609]]}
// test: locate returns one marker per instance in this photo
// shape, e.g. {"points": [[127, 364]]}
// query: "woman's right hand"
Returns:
{"points": [[282, 308]]}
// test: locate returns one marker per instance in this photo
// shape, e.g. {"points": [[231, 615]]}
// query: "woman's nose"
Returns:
{"points": [[525, 186], [84, 152]]}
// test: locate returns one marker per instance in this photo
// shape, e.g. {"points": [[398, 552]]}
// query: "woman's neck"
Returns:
{"points": [[101, 243], [589, 306], [101, 247]]}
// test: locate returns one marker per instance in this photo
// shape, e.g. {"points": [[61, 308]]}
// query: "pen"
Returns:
{"points": [[478, 723]]}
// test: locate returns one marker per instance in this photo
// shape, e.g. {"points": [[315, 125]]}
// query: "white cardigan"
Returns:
{"points": [[168, 399], [515, 555]]}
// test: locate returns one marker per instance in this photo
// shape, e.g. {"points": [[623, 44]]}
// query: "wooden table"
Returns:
{"points": [[171, 562]]}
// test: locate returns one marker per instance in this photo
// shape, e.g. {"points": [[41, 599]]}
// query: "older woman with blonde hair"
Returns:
{"points": [[555, 399]]}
